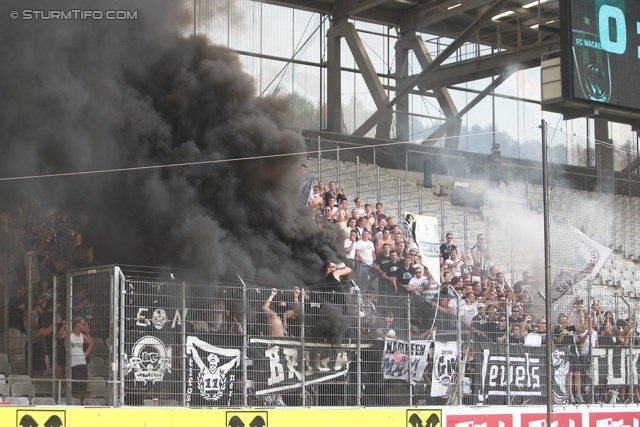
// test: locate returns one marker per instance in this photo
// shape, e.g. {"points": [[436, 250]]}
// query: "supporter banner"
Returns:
{"points": [[149, 360], [523, 374], [560, 372], [396, 364], [425, 232], [306, 191], [608, 366], [612, 365], [445, 366], [278, 366], [211, 373], [585, 261]]}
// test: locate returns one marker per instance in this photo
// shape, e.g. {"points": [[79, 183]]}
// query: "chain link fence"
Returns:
{"points": [[593, 271]]}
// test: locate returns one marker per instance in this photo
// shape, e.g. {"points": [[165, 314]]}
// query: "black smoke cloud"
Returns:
{"points": [[82, 95]]}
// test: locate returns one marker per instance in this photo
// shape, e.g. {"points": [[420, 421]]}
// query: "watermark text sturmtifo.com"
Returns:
{"points": [[74, 14]]}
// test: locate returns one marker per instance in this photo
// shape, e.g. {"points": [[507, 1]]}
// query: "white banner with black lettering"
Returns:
{"points": [[400, 357], [278, 363], [445, 355], [520, 374]]}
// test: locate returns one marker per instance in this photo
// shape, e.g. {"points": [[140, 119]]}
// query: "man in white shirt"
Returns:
{"points": [[365, 254], [350, 245]]}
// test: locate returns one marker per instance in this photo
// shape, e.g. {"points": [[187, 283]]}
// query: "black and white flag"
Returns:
{"points": [[211, 373], [278, 363]]}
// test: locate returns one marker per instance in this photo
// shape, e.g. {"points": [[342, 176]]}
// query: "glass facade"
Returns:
{"points": [[285, 50]]}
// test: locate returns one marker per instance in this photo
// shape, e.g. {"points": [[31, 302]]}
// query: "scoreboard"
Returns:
{"points": [[601, 52]]}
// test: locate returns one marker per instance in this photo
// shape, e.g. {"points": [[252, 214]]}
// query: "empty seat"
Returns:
{"points": [[17, 400], [169, 402], [4, 389], [19, 367], [18, 378], [100, 349], [98, 387], [43, 401], [4, 357], [97, 368], [23, 389], [94, 402], [43, 386], [5, 367]]}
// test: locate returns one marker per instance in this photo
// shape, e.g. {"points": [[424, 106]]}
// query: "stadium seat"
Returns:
{"points": [[20, 400], [5, 367], [19, 367], [48, 401], [4, 389], [94, 402], [97, 368], [23, 389], [98, 387], [169, 402], [4, 357], [100, 349], [18, 378], [42, 386]]}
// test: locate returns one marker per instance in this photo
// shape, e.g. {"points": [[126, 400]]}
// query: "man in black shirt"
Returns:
{"points": [[447, 246], [480, 322], [16, 307], [404, 274]]}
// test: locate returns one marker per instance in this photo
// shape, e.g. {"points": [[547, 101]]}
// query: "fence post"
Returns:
{"points": [[112, 354], [378, 184], [399, 197], [359, 348], [357, 176], [302, 338], [6, 293], [120, 347], [442, 220], [183, 331], [29, 311], [420, 201], [244, 338], [319, 159], [54, 335], [338, 165], [409, 351], [465, 227], [67, 342]]}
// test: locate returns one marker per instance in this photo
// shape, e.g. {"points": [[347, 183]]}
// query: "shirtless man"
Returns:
{"points": [[385, 239], [277, 326]]}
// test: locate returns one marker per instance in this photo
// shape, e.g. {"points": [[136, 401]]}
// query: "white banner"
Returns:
{"points": [[579, 255], [425, 232], [396, 364], [445, 366], [213, 379]]}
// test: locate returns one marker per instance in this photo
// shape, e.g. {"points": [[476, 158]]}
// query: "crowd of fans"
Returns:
{"points": [[382, 258], [470, 288], [38, 243]]}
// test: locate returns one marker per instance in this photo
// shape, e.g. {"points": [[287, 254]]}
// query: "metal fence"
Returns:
{"points": [[160, 340], [592, 269]]}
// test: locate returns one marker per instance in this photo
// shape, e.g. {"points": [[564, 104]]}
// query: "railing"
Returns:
{"points": [[167, 341]]}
